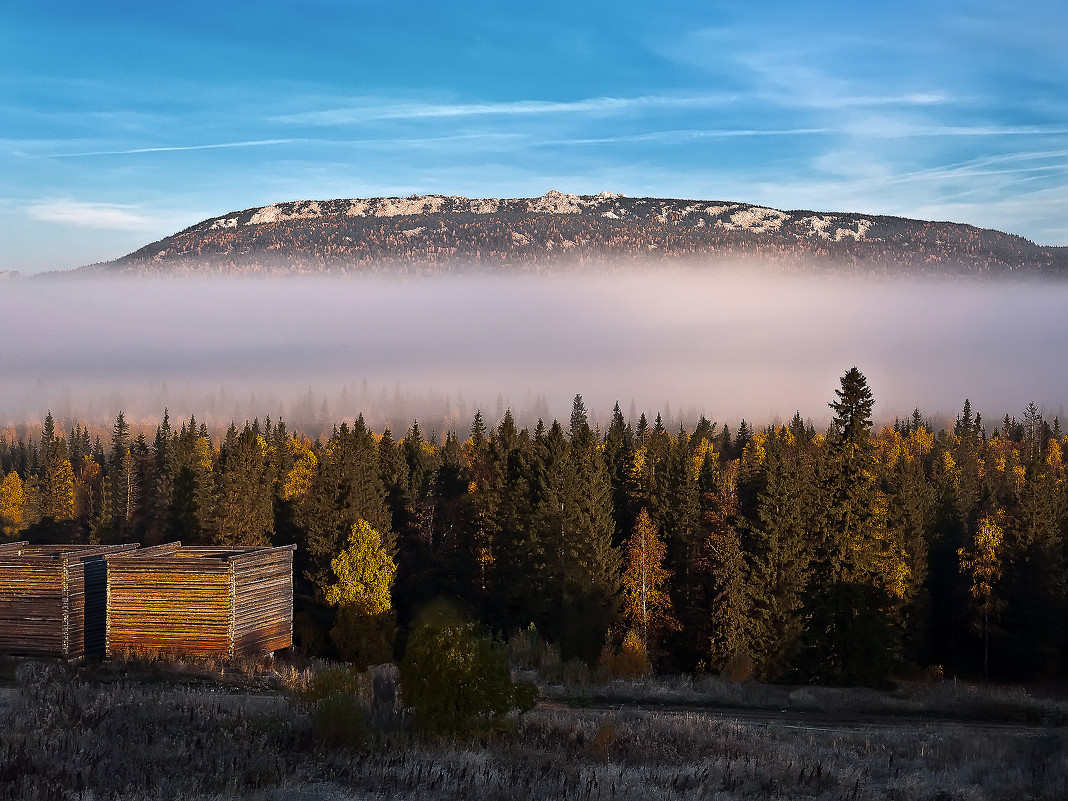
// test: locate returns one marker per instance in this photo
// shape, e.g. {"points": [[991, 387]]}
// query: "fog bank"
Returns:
{"points": [[728, 345]]}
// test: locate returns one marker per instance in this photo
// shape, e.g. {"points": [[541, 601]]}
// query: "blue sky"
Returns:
{"points": [[122, 123]]}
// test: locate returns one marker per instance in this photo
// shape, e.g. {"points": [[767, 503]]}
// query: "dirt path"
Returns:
{"points": [[813, 720]]}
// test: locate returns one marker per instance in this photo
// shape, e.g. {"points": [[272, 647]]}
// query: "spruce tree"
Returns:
{"points": [[779, 549], [618, 457], [505, 538], [848, 636], [244, 491], [675, 508], [347, 488]]}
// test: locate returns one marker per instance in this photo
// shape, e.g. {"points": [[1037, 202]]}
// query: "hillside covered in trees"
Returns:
{"points": [[433, 234], [842, 556]]}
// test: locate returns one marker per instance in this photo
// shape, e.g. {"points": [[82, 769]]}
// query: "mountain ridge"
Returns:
{"points": [[431, 234]]}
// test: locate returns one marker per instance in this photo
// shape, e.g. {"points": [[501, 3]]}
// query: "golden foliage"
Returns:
{"points": [[889, 447], [61, 501], [637, 466], [204, 454], [298, 481], [365, 573], [921, 441], [755, 450], [982, 564], [631, 662], [702, 453], [12, 505], [646, 603], [1054, 457]]}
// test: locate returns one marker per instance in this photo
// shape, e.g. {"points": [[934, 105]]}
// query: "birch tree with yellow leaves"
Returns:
{"points": [[362, 595], [981, 563], [12, 505], [646, 603]]}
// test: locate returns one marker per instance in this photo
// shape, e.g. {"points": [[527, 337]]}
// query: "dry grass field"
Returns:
{"points": [[145, 730]]}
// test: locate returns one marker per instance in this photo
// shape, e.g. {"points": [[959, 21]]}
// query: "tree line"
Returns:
{"points": [[843, 556]]}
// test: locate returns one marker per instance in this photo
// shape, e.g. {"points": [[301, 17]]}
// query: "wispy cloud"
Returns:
{"points": [[173, 148], [110, 216], [686, 135], [883, 128], [801, 95], [370, 109]]}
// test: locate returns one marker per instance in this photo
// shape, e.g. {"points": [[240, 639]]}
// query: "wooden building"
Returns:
{"points": [[200, 601], [52, 598]]}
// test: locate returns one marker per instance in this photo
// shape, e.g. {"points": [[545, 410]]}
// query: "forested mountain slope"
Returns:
{"points": [[432, 234]]}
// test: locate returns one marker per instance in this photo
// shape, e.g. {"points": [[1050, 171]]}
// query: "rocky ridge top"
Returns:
{"points": [[449, 233]]}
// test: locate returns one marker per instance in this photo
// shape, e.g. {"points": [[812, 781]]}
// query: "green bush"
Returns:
{"points": [[455, 676], [333, 681]]}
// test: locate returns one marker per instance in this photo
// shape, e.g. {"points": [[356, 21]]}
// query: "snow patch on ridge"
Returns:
{"points": [[756, 219], [607, 205], [824, 226], [305, 210]]}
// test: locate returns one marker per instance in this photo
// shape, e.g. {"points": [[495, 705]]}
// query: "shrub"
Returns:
{"points": [[631, 662], [455, 676], [339, 713], [332, 681], [527, 649], [738, 667]]}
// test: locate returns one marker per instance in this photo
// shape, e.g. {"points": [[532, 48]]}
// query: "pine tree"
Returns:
{"points": [[618, 457], [191, 508], [162, 495], [346, 489], [504, 534], [244, 491], [675, 507], [1034, 586], [121, 475], [780, 555], [593, 575], [848, 636]]}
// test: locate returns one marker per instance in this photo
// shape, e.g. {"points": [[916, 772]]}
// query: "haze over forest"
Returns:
{"points": [[729, 344]]}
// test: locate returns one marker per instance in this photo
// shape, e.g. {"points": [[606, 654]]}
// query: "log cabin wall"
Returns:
{"points": [[263, 601], [200, 601], [52, 599]]}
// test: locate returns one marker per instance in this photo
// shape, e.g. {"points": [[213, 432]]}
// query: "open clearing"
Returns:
{"points": [[67, 734]]}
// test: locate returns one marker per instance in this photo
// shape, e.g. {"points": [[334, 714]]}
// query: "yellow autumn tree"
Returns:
{"points": [[298, 481], [982, 565], [87, 491], [12, 505], [61, 497], [646, 603], [365, 626]]}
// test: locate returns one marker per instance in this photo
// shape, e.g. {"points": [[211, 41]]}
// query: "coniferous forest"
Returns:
{"points": [[849, 555]]}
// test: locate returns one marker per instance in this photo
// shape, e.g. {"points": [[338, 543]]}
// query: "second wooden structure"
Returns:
{"points": [[199, 601]]}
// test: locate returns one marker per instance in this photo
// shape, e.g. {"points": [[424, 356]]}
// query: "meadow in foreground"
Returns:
{"points": [[139, 731]]}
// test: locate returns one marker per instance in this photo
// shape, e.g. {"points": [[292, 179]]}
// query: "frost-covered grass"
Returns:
{"points": [[944, 699], [67, 733]]}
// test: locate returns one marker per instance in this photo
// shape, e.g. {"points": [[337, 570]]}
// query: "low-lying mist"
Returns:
{"points": [[730, 344]]}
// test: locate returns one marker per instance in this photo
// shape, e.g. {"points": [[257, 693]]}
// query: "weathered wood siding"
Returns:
{"points": [[200, 601], [263, 601], [52, 598]]}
